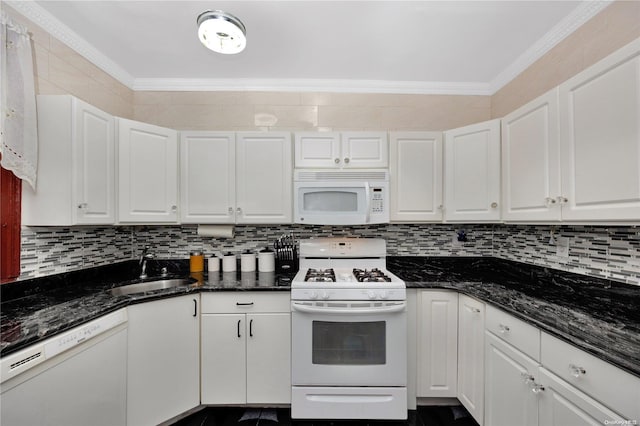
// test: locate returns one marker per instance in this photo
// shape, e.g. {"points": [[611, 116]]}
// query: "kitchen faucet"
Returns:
{"points": [[143, 261]]}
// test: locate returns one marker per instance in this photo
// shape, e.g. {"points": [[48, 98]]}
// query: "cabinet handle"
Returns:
{"points": [[503, 328], [230, 210], [473, 310], [494, 205], [549, 201], [239, 211], [337, 161], [250, 328], [174, 208], [562, 200], [83, 206], [576, 371], [346, 160], [526, 377], [244, 303], [239, 328], [536, 388], [195, 308]]}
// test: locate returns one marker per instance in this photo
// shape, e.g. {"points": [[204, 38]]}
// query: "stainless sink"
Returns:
{"points": [[151, 286]]}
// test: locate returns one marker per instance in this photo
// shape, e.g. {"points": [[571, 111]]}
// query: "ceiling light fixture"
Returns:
{"points": [[221, 32]]}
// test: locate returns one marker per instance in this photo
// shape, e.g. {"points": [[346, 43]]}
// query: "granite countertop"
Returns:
{"points": [[598, 316]]}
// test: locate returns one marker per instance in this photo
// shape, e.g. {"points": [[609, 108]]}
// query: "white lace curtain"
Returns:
{"points": [[18, 124]]}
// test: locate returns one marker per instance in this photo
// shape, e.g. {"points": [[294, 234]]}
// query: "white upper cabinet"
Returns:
{"points": [[148, 173], [416, 176], [531, 161], [207, 177], [338, 150], [76, 165], [472, 173], [600, 139], [264, 177]]}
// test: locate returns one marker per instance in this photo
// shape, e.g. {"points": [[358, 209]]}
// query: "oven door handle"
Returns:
{"points": [[300, 307]]}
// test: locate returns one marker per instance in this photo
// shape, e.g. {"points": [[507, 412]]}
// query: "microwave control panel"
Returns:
{"points": [[377, 200]]}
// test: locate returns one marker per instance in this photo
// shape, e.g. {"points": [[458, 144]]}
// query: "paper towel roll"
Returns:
{"points": [[216, 231]]}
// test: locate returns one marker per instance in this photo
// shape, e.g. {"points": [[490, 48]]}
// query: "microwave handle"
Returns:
{"points": [[367, 192]]}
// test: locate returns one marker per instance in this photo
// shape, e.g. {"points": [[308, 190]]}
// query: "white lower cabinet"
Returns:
{"points": [[471, 356], [510, 377], [246, 349], [437, 328], [163, 360]]}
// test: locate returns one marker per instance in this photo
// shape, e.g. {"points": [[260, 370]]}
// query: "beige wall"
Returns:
{"points": [[614, 27], [60, 70], [308, 111]]}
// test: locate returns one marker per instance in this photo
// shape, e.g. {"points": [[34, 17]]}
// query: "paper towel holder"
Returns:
{"points": [[216, 231]]}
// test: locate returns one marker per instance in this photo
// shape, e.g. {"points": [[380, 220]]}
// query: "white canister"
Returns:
{"points": [[248, 261], [213, 264], [229, 262], [266, 260]]}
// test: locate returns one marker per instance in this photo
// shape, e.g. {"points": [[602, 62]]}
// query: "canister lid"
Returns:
{"points": [[266, 250], [196, 253]]}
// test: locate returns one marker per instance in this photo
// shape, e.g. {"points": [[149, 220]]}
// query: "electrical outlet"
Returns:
{"points": [[562, 247]]}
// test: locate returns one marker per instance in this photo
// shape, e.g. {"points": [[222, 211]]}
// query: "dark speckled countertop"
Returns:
{"points": [[598, 316]]}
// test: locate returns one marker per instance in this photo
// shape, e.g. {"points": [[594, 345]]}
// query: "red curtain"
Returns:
{"points": [[11, 190]]}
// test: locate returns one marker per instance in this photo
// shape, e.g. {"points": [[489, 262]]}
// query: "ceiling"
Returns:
{"points": [[461, 47]]}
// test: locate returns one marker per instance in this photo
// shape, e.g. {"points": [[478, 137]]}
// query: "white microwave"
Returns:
{"points": [[341, 197]]}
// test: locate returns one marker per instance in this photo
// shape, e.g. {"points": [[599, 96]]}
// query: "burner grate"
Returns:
{"points": [[373, 275], [320, 275]]}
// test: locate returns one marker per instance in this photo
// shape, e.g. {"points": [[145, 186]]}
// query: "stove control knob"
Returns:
{"points": [[313, 295], [371, 294], [384, 295], [325, 295]]}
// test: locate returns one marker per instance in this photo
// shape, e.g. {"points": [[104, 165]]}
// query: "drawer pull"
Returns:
{"points": [[536, 388], [503, 328], [244, 304], [239, 328], [576, 371], [473, 310]]}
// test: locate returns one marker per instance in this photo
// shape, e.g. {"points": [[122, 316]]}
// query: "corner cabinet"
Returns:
{"points": [[415, 168], [246, 348], [163, 362], [76, 166], [471, 356], [341, 150], [437, 362], [147, 173], [600, 134], [472, 173], [531, 161]]}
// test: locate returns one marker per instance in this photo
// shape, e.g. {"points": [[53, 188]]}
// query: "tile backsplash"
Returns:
{"points": [[599, 251]]}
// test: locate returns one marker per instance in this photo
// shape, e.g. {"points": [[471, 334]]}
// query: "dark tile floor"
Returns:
{"points": [[424, 416]]}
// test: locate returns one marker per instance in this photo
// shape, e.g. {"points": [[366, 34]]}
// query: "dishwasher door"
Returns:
{"points": [[80, 384]]}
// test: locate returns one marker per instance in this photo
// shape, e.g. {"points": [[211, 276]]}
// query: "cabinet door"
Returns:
{"points": [[317, 150], [437, 344], [365, 149], [223, 358], [563, 405], [531, 161], [264, 177], [269, 358], [94, 169], [163, 362], [472, 173], [471, 356], [416, 176], [207, 177], [148, 172], [600, 134], [509, 399]]}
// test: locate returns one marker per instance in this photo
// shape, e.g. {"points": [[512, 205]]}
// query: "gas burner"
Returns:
{"points": [[320, 275], [373, 275]]}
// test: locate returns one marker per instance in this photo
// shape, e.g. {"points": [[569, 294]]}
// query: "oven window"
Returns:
{"points": [[349, 343], [331, 201]]}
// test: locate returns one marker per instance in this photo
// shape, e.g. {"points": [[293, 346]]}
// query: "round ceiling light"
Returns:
{"points": [[221, 32]]}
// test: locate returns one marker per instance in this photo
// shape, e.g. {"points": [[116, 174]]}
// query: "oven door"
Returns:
{"points": [[349, 343]]}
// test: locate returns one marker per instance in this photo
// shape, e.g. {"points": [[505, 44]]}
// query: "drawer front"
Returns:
{"points": [[245, 302], [604, 382], [518, 333]]}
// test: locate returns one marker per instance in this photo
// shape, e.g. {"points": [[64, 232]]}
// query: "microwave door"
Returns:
{"points": [[337, 203]]}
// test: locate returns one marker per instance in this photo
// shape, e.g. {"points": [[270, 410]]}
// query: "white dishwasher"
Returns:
{"points": [[78, 377]]}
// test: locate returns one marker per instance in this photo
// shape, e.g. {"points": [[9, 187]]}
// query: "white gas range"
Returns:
{"points": [[349, 333]]}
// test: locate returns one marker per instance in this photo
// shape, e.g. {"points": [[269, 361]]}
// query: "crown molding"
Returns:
{"points": [[39, 16], [581, 14], [311, 85]]}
